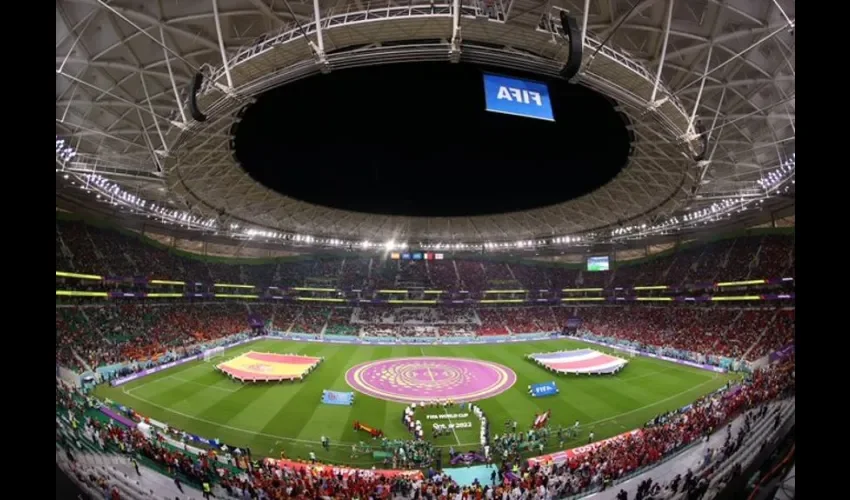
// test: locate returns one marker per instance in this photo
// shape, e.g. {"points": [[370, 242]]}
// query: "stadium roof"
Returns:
{"points": [[123, 134]]}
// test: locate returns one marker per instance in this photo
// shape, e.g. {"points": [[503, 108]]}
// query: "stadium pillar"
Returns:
{"points": [[737, 55]]}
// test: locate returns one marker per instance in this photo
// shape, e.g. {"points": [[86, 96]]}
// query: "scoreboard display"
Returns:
{"points": [[598, 263]]}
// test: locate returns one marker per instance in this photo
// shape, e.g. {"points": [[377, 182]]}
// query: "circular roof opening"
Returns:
{"points": [[416, 140]]}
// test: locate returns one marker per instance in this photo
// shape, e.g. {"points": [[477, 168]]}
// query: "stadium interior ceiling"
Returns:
{"points": [[682, 73]]}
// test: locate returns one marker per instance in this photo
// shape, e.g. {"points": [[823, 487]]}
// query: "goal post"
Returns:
{"points": [[213, 353]]}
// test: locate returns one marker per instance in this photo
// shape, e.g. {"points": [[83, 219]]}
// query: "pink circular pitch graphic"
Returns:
{"points": [[422, 379]]}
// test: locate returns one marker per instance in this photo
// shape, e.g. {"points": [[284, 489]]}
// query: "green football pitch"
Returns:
{"points": [[289, 416]]}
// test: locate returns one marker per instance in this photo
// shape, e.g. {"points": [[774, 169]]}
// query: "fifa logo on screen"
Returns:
{"points": [[519, 95]]}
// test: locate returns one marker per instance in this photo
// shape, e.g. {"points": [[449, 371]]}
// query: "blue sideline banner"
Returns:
{"points": [[513, 96], [338, 398], [543, 390]]}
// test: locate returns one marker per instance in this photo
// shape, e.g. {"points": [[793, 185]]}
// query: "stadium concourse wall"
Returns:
{"points": [[347, 339]]}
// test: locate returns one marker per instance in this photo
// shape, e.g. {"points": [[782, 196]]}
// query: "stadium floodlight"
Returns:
{"points": [[773, 183]]}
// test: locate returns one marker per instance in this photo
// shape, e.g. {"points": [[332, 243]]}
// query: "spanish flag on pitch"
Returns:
{"points": [[254, 366]]}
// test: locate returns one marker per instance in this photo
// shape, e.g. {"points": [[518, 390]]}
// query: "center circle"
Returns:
{"points": [[423, 379]]}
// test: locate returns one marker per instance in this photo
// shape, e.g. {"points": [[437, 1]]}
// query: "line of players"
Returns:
{"points": [[438, 429]]}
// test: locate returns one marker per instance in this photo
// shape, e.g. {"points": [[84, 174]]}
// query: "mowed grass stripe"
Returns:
{"points": [[172, 391], [294, 416], [313, 418], [256, 402], [565, 406], [270, 414], [290, 416], [515, 403], [164, 392], [370, 411]]}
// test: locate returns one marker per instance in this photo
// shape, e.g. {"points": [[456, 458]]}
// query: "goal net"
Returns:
{"points": [[215, 352]]}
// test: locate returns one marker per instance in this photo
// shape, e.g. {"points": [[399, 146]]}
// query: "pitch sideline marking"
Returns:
{"points": [[144, 384], [343, 444], [347, 444], [188, 368], [650, 374], [182, 380], [225, 389], [674, 396]]}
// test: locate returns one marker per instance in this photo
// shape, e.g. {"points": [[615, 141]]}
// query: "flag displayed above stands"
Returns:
{"points": [[417, 256]]}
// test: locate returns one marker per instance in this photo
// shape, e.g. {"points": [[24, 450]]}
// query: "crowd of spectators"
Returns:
{"points": [[339, 322], [443, 274], [710, 262], [355, 271], [472, 275], [740, 262], [528, 319], [562, 277], [311, 319], [492, 323], [414, 315], [775, 257], [413, 274], [598, 465], [732, 333], [665, 434], [89, 249], [383, 274], [106, 334], [498, 272]]}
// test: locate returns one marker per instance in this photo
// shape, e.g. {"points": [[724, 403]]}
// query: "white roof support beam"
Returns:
{"points": [[584, 16], [701, 87], [736, 56], [76, 41], [155, 121], [171, 79], [317, 14], [269, 13], [454, 54], [642, 6], [669, 21], [110, 94], [226, 66], [782, 12], [143, 31]]}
